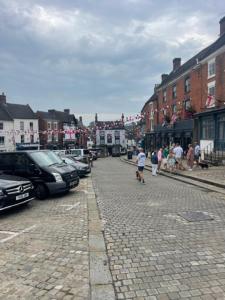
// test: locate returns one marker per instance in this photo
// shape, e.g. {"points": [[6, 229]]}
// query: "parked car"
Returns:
{"points": [[82, 169], [14, 191], [48, 173], [80, 154]]}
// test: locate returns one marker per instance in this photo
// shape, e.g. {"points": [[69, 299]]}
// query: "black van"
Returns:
{"points": [[14, 191], [48, 173]]}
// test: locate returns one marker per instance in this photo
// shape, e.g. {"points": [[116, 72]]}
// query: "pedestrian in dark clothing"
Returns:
{"points": [[154, 161]]}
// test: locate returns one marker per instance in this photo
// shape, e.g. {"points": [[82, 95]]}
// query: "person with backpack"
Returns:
{"points": [[154, 161]]}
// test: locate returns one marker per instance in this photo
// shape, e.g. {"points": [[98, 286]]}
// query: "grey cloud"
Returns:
{"points": [[104, 55]]}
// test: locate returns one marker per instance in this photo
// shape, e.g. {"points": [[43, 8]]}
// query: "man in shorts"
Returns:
{"points": [[141, 164], [178, 153]]}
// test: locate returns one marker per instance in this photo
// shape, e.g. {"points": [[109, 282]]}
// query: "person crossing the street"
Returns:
{"points": [[141, 164]]}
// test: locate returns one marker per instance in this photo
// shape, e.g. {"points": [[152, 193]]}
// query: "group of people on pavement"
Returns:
{"points": [[169, 158]]}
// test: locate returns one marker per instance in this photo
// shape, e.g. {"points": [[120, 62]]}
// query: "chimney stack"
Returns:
{"points": [[2, 98], [176, 63], [222, 26], [67, 111], [164, 76]]}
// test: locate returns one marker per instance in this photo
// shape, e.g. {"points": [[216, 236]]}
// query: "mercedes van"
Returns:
{"points": [[47, 172]]}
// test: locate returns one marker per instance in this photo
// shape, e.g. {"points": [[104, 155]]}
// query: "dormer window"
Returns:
{"points": [[174, 91]]}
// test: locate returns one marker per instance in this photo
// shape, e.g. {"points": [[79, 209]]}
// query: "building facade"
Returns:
{"points": [[19, 128], [188, 103], [109, 133], [57, 129]]}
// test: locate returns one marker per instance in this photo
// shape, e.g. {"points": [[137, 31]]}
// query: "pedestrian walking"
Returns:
{"points": [[160, 156], [197, 153], [171, 161], [154, 161], [165, 154], [141, 164], [178, 153], [190, 157]]}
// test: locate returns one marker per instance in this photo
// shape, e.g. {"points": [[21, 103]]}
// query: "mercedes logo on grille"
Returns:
{"points": [[20, 189]]}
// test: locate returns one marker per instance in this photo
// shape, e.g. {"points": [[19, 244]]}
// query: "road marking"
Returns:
{"points": [[71, 206], [15, 234]]}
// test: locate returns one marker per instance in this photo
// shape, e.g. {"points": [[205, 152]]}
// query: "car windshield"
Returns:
{"points": [[76, 152], [45, 159], [68, 160]]}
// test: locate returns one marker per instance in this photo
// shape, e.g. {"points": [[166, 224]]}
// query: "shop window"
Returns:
{"points": [[31, 138], [187, 85], [211, 68], [208, 129]]}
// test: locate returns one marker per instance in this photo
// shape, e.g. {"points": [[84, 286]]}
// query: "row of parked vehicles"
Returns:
{"points": [[25, 175]]}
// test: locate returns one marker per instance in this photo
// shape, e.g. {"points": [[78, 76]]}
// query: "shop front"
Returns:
{"points": [[211, 129], [180, 132]]}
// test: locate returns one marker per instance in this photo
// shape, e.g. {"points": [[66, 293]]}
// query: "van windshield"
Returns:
{"points": [[45, 159]]}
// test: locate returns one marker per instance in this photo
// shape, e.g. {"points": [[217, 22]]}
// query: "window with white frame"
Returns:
{"points": [[21, 125], [55, 126], [2, 140], [187, 85], [211, 68], [31, 126], [49, 125], [1, 126], [212, 88]]}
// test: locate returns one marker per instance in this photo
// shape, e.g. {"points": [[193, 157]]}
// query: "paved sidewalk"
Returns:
{"points": [[212, 175]]}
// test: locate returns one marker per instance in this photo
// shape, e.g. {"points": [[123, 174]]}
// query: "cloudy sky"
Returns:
{"points": [[97, 55]]}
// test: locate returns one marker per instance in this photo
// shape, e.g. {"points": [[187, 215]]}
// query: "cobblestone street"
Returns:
{"points": [[44, 249], [153, 251]]}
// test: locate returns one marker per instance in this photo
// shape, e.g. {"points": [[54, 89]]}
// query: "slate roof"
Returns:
{"points": [[194, 60], [10, 111], [110, 124], [56, 115]]}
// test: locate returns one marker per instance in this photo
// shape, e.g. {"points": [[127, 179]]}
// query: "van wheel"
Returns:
{"points": [[41, 192]]}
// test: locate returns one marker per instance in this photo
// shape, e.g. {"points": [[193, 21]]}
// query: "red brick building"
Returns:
{"points": [[188, 104]]}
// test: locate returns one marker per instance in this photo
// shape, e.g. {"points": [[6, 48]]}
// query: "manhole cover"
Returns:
{"points": [[195, 216]]}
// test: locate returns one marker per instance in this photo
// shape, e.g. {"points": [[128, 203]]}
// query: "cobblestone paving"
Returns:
{"points": [[44, 249], [153, 252]]}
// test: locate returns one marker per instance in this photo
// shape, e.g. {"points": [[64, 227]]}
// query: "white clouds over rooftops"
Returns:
{"points": [[97, 57]]}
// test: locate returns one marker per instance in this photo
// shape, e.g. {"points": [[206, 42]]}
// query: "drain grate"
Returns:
{"points": [[195, 216]]}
